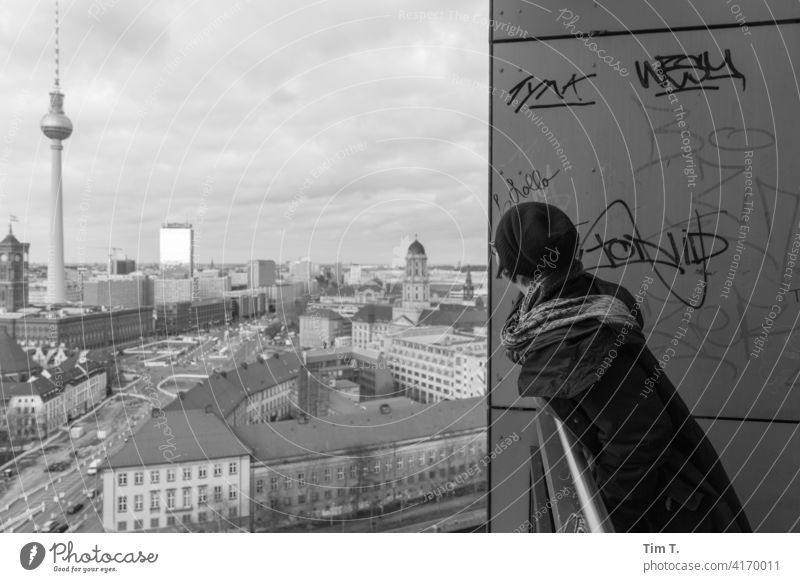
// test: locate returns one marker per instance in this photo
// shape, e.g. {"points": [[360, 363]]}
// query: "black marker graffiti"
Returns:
{"points": [[533, 182], [693, 247], [547, 88], [688, 72]]}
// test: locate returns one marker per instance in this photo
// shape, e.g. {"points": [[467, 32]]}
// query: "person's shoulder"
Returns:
{"points": [[617, 290]]}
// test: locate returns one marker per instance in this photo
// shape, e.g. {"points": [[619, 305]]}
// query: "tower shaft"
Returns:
{"points": [[56, 277]]}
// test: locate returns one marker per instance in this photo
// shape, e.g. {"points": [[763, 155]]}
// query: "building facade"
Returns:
{"points": [[431, 365], [182, 471], [82, 328], [365, 464], [320, 328]]}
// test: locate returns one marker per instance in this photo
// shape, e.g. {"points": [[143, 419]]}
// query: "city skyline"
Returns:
{"points": [[298, 165]]}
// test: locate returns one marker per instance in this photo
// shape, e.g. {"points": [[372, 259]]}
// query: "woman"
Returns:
{"points": [[579, 342]]}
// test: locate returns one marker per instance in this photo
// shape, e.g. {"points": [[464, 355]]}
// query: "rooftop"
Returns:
{"points": [[374, 312], [191, 435], [225, 393], [364, 429], [13, 359]]}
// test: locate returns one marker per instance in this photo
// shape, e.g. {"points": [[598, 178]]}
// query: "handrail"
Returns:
{"points": [[592, 506], [563, 462]]}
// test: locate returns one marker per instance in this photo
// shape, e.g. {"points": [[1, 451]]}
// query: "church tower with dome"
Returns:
{"points": [[416, 285]]}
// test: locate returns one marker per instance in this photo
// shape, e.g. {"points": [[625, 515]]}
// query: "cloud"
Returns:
{"points": [[256, 99]]}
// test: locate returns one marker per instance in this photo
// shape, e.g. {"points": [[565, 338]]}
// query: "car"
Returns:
{"points": [[48, 525], [60, 528], [91, 493], [74, 508]]}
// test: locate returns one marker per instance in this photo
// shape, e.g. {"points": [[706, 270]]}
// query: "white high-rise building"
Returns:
{"points": [[176, 250]]}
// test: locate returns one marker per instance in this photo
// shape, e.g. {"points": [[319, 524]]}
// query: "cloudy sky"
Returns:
{"points": [[279, 129]]}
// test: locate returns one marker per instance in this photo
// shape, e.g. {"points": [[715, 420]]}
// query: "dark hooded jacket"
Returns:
{"points": [[655, 468]]}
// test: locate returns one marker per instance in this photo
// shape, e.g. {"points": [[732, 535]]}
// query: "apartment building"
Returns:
{"points": [[376, 460], [435, 364], [182, 471]]}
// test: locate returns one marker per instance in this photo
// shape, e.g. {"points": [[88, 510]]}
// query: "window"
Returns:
{"points": [[217, 470], [431, 457], [187, 473], [377, 467], [122, 480], [202, 472], [122, 503], [340, 492], [232, 493], [301, 499], [353, 471], [201, 516], [273, 483], [400, 463], [314, 477], [301, 479], [186, 518], [217, 493], [259, 485], [202, 494], [170, 475], [153, 523], [315, 496], [233, 468], [327, 494], [340, 473], [410, 461], [326, 476], [233, 512], [138, 477], [170, 499], [170, 520], [137, 524], [155, 476], [187, 496], [138, 502], [122, 526], [155, 502], [287, 483], [422, 459]]}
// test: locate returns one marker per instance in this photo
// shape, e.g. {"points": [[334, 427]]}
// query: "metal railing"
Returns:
{"points": [[564, 496]]}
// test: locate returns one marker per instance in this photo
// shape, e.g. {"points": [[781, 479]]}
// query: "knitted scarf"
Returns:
{"points": [[533, 316]]}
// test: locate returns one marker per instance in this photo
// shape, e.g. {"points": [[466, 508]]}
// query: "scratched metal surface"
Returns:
{"points": [[622, 175], [548, 17]]}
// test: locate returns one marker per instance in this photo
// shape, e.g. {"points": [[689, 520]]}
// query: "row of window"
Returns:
{"points": [[376, 467], [170, 498], [186, 518], [186, 474]]}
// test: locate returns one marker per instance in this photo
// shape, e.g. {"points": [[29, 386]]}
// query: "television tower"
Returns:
{"points": [[57, 127]]}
